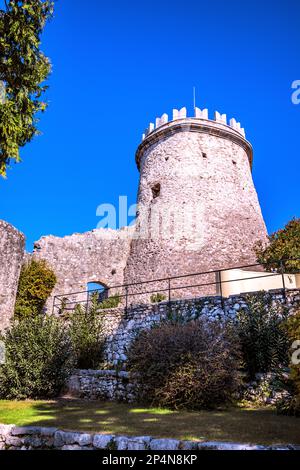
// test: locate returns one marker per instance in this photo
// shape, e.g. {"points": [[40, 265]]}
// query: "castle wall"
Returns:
{"points": [[11, 256], [201, 171], [98, 256]]}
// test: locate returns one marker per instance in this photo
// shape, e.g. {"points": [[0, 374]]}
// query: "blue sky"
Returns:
{"points": [[117, 65]]}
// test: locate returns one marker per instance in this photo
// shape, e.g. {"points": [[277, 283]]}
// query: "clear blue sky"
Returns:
{"points": [[117, 65]]}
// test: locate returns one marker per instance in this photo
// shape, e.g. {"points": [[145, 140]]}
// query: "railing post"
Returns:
{"points": [[53, 306], [87, 302], [219, 274], [282, 269], [169, 291], [126, 299]]}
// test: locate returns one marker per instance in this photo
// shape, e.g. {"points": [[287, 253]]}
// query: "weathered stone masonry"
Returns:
{"points": [[98, 256], [37, 438], [11, 257]]}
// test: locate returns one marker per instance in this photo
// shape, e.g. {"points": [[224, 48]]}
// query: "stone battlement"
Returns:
{"points": [[198, 114]]}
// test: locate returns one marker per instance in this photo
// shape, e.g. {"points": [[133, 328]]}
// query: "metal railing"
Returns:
{"points": [[172, 288]]}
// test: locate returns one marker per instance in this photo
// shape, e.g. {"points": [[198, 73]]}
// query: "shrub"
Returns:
{"points": [[110, 302], [193, 365], [293, 331], [36, 283], [38, 358], [291, 404], [86, 330], [264, 342], [156, 298]]}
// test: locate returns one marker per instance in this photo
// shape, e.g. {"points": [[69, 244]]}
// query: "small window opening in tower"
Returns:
{"points": [[97, 290], [204, 155], [234, 162], [155, 190]]}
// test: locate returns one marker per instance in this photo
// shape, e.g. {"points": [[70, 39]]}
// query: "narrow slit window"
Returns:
{"points": [[155, 190]]}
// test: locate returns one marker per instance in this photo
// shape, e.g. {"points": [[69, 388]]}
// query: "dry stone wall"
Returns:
{"points": [[38, 438], [11, 256], [122, 327], [110, 385]]}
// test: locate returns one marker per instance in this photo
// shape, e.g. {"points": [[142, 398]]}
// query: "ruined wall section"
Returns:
{"points": [[98, 256], [12, 244]]}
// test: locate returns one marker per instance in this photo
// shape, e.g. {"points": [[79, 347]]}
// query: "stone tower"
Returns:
{"points": [[198, 209]]}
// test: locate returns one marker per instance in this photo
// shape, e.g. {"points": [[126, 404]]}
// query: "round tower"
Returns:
{"points": [[198, 209]]}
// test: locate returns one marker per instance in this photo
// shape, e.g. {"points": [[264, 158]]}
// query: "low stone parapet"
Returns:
{"points": [[37, 438]]}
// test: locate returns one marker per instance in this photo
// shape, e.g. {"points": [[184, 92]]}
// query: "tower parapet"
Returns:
{"points": [[200, 122], [198, 114]]}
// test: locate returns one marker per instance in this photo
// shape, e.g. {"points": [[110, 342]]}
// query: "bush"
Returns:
{"points": [[156, 298], [86, 330], [291, 404], [293, 331], [36, 283], [38, 358], [110, 302], [264, 342], [193, 365]]}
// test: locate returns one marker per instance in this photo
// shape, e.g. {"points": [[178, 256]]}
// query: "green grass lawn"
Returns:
{"points": [[260, 426]]}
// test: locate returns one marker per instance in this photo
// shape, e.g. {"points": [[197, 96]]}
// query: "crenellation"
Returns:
{"points": [[198, 114], [182, 113], [220, 117], [201, 114], [175, 114], [164, 119]]}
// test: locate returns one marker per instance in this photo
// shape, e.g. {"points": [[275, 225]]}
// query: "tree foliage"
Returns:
{"points": [[23, 69], [283, 245], [36, 283]]}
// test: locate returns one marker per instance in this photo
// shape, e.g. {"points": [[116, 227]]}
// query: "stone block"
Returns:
{"points": [[164, 444], [102, 441]]}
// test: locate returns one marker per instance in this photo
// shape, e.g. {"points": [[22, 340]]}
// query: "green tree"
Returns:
{"points": [[36, 283], [283, 245], [23, 69]]}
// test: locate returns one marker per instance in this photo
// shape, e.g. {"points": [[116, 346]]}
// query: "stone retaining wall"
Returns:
{"points": [[103, 385], [122, 327], [37, 438]]}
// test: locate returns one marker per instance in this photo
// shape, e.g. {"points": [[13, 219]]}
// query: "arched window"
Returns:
{"points": [[97, 289]]}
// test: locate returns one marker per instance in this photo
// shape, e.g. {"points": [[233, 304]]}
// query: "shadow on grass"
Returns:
{"points": [[260, 426]]}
